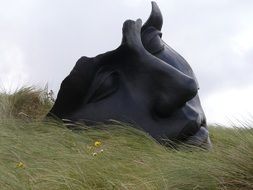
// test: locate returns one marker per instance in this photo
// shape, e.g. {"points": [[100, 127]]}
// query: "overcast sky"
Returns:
{"points": [[40, 41]]}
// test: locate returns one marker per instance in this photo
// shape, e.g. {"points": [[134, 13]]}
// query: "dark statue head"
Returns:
{"points": [[143, 82]]}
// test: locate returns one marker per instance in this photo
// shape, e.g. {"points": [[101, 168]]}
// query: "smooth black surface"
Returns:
{"points": [[144, 82]]}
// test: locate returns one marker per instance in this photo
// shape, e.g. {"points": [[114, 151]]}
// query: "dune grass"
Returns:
{"points": [[26, 102], [39, 155]]}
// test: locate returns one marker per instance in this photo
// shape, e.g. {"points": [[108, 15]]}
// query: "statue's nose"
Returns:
{"points": [[187, 87], [173, 90]]}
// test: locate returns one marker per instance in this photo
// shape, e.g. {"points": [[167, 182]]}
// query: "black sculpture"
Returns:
{"points": [[144, 82]]}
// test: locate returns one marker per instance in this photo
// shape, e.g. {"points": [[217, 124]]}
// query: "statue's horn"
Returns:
{"points": [[155, 19]]}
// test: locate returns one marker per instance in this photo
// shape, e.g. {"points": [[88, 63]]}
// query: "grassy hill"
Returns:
{"points": [[39, 155]]}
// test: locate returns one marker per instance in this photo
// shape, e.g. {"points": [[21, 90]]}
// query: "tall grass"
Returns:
{"points": [[28, 102], [37, 155]]}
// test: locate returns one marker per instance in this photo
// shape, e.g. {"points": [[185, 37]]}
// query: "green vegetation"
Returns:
{"points": [[37, 155]]}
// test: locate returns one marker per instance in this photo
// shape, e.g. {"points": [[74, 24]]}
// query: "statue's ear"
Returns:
{"points": [[155, 19]]}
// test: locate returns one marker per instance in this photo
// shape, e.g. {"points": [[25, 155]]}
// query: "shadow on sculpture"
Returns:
{"points": [[144, 82]]}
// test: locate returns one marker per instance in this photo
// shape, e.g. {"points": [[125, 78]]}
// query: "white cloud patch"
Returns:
{"points": [[243, 42], [133, 3], [13, 71], [229, 105]]}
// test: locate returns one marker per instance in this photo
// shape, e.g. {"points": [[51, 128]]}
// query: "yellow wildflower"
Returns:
{"points": [[20, 165], [98, 143]]}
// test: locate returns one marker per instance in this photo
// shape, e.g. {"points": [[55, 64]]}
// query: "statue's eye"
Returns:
{"points": [[104, 86]]}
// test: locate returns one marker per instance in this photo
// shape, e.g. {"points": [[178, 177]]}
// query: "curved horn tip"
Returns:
{"points": [[154, 4], [155, 19]]}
